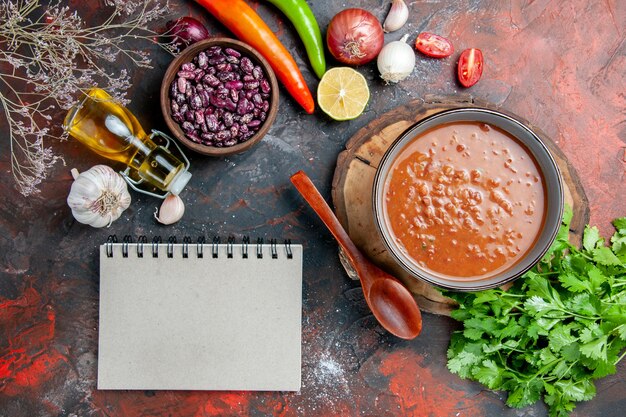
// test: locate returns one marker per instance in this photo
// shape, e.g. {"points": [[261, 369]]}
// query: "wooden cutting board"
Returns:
{"points": [[354, 178]]}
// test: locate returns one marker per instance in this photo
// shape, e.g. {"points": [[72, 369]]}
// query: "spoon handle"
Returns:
{"points": [[310, 193]]}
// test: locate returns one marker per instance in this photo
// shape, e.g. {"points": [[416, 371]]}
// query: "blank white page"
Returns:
{"points": [[200, 323]]}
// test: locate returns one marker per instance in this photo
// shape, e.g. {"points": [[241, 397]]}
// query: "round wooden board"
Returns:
{"points": [[354, 177]]}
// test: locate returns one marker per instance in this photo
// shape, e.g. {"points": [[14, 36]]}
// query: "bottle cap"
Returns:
{"points": [[179, 182]]}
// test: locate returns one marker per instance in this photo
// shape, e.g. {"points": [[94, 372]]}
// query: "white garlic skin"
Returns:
{"points": [[171, 211], [397, 17], [396, 61], [98, 196]]}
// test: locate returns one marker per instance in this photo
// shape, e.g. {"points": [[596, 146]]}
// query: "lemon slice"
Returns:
{"points": [[343, 93]]}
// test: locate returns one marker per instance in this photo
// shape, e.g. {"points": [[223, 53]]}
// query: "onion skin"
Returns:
{"points": [[185, 30], [354, 36]]}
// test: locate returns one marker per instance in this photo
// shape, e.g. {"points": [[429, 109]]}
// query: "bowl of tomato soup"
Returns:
{"points": [[468, 199]]}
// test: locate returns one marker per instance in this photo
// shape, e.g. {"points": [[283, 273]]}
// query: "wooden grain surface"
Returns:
{"points": [[354, 178]]}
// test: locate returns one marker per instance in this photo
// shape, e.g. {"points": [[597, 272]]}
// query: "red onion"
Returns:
{"points": [[354, 36], [185, 30]]}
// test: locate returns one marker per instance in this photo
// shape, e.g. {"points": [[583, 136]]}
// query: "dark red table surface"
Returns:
{"points": [[559, 64]]}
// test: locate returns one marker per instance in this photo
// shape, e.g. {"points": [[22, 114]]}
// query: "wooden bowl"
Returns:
{"points": [[187, 55]]}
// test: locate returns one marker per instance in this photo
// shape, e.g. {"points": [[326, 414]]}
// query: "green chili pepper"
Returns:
{"points": [[301, 16]]}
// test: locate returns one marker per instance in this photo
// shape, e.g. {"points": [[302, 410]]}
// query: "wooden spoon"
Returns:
{"points": [[391, 303]]}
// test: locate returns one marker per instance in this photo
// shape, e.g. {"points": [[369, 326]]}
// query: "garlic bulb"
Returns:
{"points": [[396, 61], [98, 196], [171, 210], [397, 17]]}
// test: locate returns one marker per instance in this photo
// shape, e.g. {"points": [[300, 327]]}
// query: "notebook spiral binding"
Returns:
{"points": [[201, 242]]}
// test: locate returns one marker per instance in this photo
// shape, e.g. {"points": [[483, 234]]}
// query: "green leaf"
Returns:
{"points": [[485, 297], [620, 225], [559, 337], [591, 238], [603, 369], [576, 390], [537, 306], [595, 349], [473, 334], [604, 256], [462, 364], [584, 304], [590, 333], [573, 283], [489, 374], [525, 394]]}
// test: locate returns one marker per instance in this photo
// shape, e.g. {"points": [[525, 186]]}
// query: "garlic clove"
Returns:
{"points": [[171, 210], [397, 17]]}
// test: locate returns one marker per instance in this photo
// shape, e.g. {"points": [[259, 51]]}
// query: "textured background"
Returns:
{"points": [[559, 64]]}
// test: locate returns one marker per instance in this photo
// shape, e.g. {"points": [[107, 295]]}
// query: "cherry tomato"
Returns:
{"points": [[470, 66], [433, 45]]}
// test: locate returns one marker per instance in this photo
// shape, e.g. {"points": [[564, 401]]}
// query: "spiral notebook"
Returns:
{"points": [[200, 316]]}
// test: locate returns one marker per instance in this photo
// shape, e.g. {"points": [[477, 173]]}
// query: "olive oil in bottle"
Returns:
{"points": [[112, 131]]}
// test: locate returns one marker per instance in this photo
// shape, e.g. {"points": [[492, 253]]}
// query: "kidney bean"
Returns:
{"points": [[232, 60], [222, 92], [230, 105], [234, 131], [228, 119], [211, 80], [196, 102], [251, 85], [212, 123], [216, 101], [199, 117], [262, 116], [246, 118], [178, 118], [243, 129], [248, 78], [206, 100], [242, 106], [226, 76], [216, 59], [224, 67], [223, 135], [203, 60], [266, 106], [257, 100], [257, 72], [232, 52], [246, 65], [188, 66], [194, 137], [234, 96], [175, 107], [182, 85], [265, 86], [184, 108], [208, 136], [186, 74], [234, 85], [214, 50], [187, 126], [189, 116], [174, 89]]}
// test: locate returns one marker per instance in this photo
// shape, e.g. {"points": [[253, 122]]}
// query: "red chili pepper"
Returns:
{"points": [[248, 26]]}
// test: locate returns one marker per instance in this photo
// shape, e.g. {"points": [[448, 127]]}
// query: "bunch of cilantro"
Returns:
{"points": [[558, 328]]}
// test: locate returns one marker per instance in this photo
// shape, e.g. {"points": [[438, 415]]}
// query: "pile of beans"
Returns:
{"points": [[220, 98]]}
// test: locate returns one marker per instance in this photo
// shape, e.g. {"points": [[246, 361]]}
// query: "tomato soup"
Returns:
{"points": [[464, 200]]}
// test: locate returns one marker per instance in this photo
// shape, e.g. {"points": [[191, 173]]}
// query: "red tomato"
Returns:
{"points": [[433, 45], [470, 66]]}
